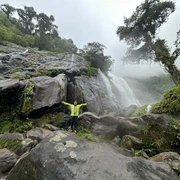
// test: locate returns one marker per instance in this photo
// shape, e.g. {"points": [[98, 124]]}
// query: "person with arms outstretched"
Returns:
{"points": [[74, 114]]}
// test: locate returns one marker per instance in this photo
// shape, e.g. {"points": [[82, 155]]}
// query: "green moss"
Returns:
{"points": [[18, 76], [85, 133], [14, 70], [140, 111], [170, 103], [4, 51], [27, 98], [47, 72]]}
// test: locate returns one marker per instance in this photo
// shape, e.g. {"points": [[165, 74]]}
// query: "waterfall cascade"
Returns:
{"points": [[119, 90]]}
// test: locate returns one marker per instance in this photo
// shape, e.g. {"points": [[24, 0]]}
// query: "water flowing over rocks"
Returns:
{"points": [[62, 155]]}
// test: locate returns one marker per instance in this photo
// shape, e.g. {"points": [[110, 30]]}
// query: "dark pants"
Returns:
{"points": [[74, 123]]}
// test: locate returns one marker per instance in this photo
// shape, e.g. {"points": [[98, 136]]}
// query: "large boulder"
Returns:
{"points": [[48, 91], [63, 155], [110, 126]]}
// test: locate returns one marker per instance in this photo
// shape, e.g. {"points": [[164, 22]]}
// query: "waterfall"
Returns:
{"points": [[118, 90], [125, 92]]}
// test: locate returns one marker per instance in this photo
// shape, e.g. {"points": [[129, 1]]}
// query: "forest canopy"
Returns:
{"points": [[32, 29]]}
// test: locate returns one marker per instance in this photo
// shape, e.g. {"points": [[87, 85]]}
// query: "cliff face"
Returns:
{"points": [[34, 80]]}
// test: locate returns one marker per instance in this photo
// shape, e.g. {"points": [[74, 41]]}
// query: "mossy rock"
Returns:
{"points": [[170, 103], [27, 98]]}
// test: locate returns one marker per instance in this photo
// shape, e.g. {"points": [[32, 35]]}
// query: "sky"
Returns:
{"points": [[97, 20]]}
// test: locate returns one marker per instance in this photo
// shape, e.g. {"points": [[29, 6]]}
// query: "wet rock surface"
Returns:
{"points": [[63, 155]]}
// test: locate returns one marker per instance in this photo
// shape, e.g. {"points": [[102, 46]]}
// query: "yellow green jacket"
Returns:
{"points": [[75, 109]]}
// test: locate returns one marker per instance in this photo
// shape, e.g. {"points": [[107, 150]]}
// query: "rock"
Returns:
{"points": [[116, 141], [128, 111], [12, 136], [38, 133], [109, 126], [63, 155], [26, 145], [7, 160], [128, 125], [97, 91], [130, 142], [48, 91], [170, 158], [162, 119], [50, 127], [105, 126], [9, 84]]}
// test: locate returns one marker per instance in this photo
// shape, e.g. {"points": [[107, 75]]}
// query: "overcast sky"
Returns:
{"points": [[97, 20]]}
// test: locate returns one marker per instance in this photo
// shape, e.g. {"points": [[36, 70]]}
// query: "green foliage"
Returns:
{"points": [[170, 103], [175, 124], [94, 53], [140, 111], [18, 76], [27, 98], [159, 138], [85, 133], [32, 30], [10, 144], [91, 71], [136, 152]]}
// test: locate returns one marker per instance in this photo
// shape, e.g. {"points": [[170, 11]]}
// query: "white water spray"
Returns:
{"points": [[119, 91]]}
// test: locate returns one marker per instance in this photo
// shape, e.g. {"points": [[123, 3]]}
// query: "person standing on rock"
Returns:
{"points": [[74, 114]]}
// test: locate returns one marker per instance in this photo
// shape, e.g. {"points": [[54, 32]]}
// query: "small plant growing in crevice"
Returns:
{"points": [[27, 98], [85, 133]]}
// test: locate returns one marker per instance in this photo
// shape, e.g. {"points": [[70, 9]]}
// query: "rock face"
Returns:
{"points": [[105, 93], [63, 155], [7, 160], [58, 77]]}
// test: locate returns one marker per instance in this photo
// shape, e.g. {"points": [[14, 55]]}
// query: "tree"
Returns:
{"points": [[46, 29], [7, 9], [140, 34], [26, 17], [94, 53]]}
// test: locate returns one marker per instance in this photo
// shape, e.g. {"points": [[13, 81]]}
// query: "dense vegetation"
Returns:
{"points": [[94, 53], [140, 34], [170, 104], [31, 29]]}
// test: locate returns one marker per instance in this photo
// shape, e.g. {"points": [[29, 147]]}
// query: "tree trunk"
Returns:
{"points": [[174, 72]]}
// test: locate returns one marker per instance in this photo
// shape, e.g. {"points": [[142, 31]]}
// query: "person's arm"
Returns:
{"points": [[65, 103], [84, 104]]}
